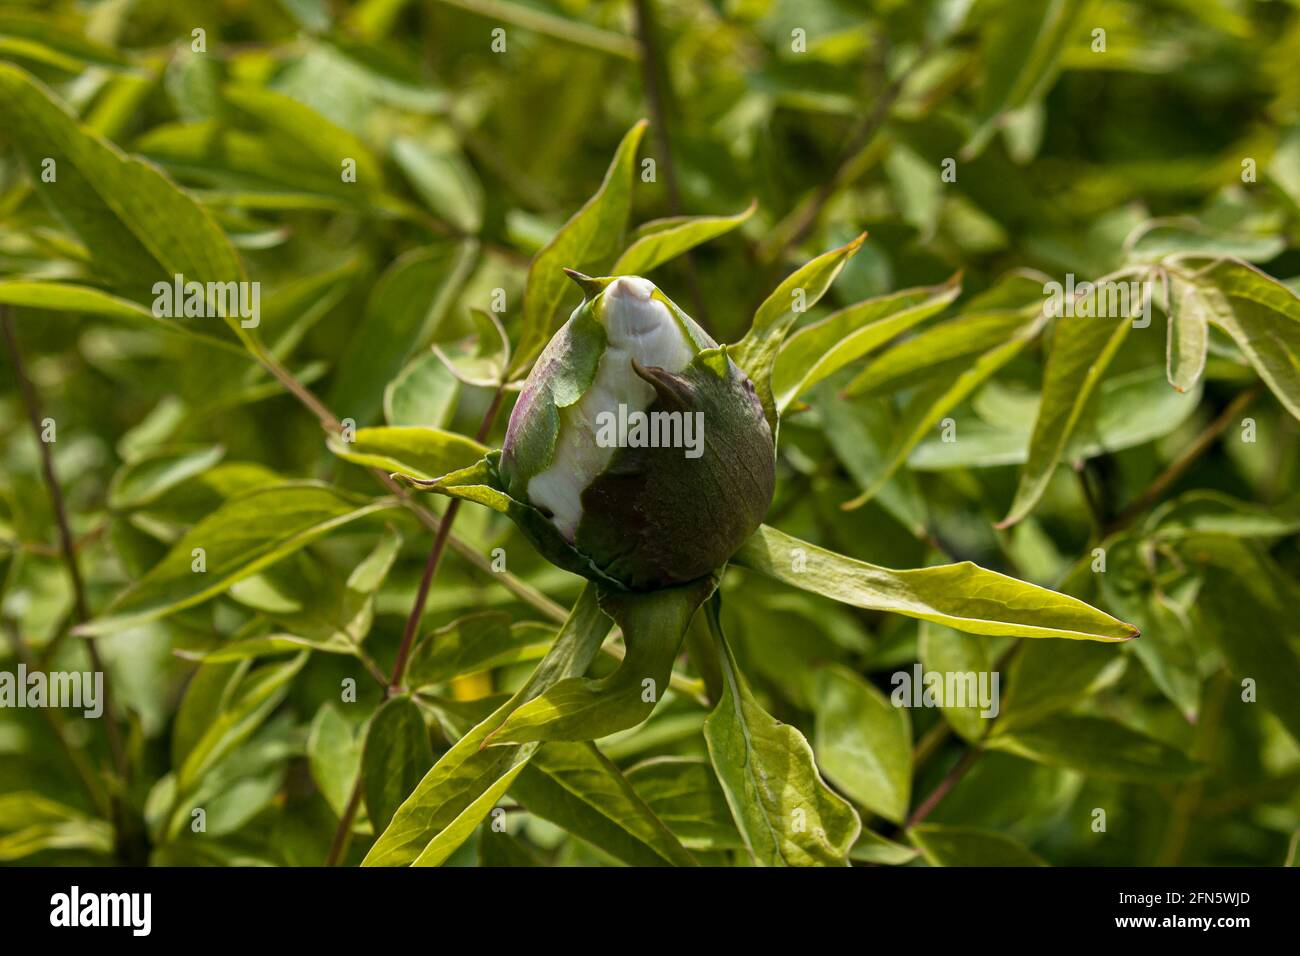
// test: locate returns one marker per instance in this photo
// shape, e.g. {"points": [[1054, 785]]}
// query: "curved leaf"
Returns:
{"points": [[962, 596]]}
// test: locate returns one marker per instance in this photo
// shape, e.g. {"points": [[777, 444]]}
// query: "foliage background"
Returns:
{"points": [[1069, 160]]}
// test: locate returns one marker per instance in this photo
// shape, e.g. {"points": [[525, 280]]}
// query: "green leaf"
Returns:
{"points": [[549, 24], [322, 611], [785, 812], [78, 299], [962, 596], [146, 479], [465, 783], [1189, 334], [424, 393], [935, 352], [757, 352], [1129, 410], [580, 708], [818, 351], [1050, 676], [1247, 603], [46, 41], [1097, 748], [1211, 512], [927, 407], [245, 534], [402, 314], [1263, 318], [1082, 349], [414, 450], [943, 650], [663, 240], [137, 225], [31, 823], [475, 643], [245, 699], [863, 743], [333, 756], [396, 757], [969, 846], [575, 786], [445, 181], [684, 793], [873, 848], [1021, 51], [591, 236]]}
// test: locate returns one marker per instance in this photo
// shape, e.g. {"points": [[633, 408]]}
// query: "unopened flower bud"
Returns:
{"points": [[639, 440]]}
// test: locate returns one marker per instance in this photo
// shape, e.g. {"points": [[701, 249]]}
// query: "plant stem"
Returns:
{"points": [[81, 608], [338, 846], [949, 781], [1179, 466]]}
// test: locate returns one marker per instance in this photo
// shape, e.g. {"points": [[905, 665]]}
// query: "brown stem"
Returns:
{"points": [[338, 846], [954, 775], [1179, 466], [32, 403]]}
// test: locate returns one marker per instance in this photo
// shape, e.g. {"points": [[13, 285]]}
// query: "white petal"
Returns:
{"points": [[638, 327]]}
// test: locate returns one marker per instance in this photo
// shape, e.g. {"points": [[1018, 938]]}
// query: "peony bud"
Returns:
{"points": [[639, 441]]}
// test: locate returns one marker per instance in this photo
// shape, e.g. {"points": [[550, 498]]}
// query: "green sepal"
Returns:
{"points": [[481, 483], [561, 376], [580, 708]]}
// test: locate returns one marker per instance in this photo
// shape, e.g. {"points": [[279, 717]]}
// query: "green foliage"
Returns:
{"points": [[309, 662]]}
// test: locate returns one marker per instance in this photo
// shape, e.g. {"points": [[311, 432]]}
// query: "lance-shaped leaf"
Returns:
{"points": [[1082, 349], [465, 783], [818, 351], [1247, 603], [310, 601], [139, 227], [475, 643], [396, 757], [653, 625], [403, 312], [962, 596], [78, 299], [245, 534], [684, 793], [1022, 47], [662, 240], [785, 812], [927, 407], [575, 786], [1097, 748], [414, 450], [147, 478], [756, 353], [1263, 318], [969, 846], [593, 235], [333, 756], [936, 352], [1189, 332]]}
